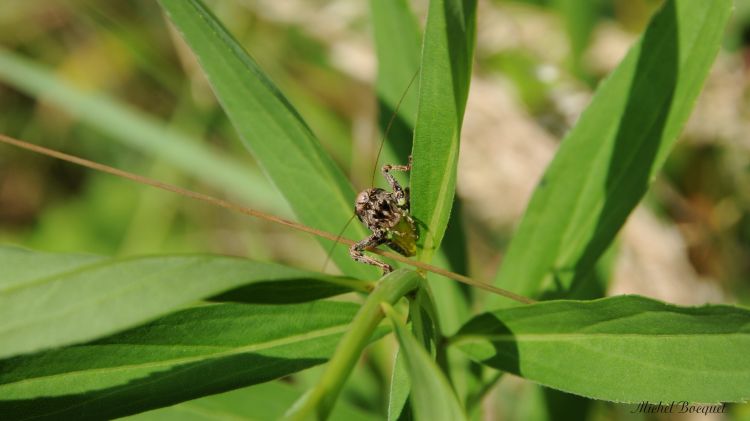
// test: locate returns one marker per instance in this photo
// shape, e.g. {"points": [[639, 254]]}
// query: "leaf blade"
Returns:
{"points": [[192, 353], [64, 303], [656, 351], [433, 399], [266, 401], [444, 86], [397, 47], [271, 129], [605, 164]]}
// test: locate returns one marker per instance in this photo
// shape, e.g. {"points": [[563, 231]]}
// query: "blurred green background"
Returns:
{"points": [[109, 81]]}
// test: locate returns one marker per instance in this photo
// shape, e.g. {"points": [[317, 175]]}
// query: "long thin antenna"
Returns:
{"points": [[389, 125], [255, 213], [333, 246]]}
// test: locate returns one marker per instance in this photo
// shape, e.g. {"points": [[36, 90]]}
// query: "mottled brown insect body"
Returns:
{"points": [[386, 214]]}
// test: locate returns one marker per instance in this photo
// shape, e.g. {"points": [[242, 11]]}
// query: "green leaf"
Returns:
{"points": [[397, 42], [141, 132], [444, 86], [271, 129], [192, 353], [638, 348], [49, 300], [424, 322], [445, 73], [604, 166], [397, 46], [399, 407], [431, 397], [266, 401]]}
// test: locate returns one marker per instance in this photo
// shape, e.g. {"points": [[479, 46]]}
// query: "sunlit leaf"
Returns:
{"points": [[621, 349], [271, 129], [443, 89], [606, 163], [192, 353], [266, 401], [49, 300]]}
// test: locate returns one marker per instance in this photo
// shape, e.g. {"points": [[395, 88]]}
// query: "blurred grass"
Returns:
{"points": [[140, 131]]}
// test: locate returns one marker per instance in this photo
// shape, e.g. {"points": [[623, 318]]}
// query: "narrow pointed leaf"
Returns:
{"points": [[271, 129], [49, 300], [432, 397], [445, 74], [621, 349], [397, 42], [397, 46], [192, 353], [606, 163], [399, 407], [443, 89]]}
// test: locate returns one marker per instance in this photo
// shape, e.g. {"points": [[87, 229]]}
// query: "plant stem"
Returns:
{"points": [[318, 402]]}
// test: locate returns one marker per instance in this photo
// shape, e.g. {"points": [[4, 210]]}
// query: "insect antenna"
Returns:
{"points": [[375, 165], [389, 125], [335, 243]]}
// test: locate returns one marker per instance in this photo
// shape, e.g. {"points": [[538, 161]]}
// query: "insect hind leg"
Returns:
{"points": [[356, 251]]}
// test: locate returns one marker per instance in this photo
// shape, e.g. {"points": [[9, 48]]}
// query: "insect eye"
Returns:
{"points": [[362, 198]]}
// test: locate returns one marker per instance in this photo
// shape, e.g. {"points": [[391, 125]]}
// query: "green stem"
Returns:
{"points": [[318, 402]]}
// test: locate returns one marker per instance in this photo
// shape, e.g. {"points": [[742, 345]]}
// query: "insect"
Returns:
{"points": [[386, 214]]}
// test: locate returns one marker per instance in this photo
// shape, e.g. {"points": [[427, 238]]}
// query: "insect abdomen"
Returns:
{"points": [[402, 237]]}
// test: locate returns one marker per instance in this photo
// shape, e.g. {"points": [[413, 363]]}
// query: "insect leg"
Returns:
{"points": [[387, 168], [374, 240]]}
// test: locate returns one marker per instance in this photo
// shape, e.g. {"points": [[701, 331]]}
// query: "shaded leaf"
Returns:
{"points": [[397, 46]]}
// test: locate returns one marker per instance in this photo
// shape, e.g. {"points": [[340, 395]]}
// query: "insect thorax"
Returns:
{"points": [[378, 209]]}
